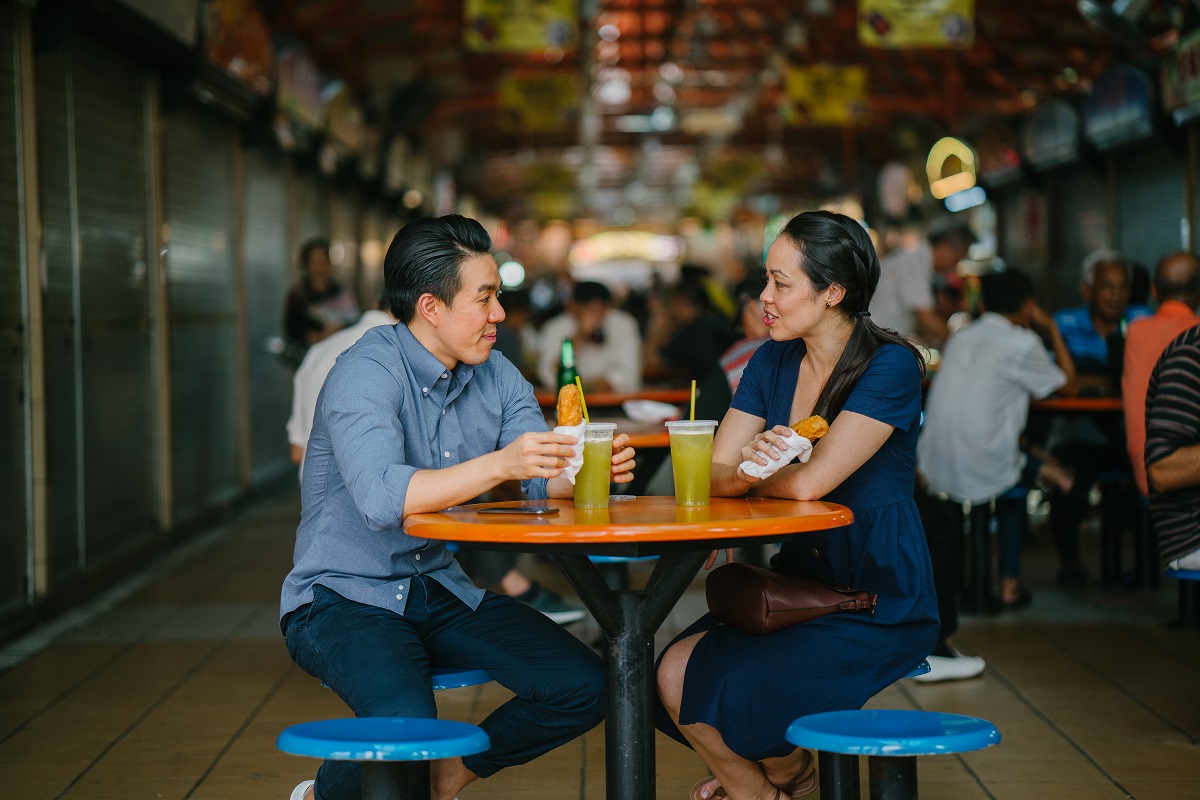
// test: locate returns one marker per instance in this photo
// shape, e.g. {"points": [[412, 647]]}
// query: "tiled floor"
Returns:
{"points": [[178, 684]]}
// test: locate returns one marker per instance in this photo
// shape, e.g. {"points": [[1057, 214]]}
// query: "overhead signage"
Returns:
{"points": [[520, 26], [238, 42], [299, 93], [1051, 135], [904, 24], [540, 102], [1118, 109], [824, 94], [996, 150]]}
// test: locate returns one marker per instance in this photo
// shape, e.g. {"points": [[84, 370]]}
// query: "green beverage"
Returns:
{"points": [[691, 460], [591, 483]]}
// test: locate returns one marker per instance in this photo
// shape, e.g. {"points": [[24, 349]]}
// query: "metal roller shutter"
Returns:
{"points": [[313, 217], [1149, 204], [266, 259], [108, 98], [13, 528], [1079, 221], [198, 172], [343, 239], [61, 347]]}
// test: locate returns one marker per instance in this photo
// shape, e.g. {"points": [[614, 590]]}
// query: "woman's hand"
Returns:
{"points": [[622, 460], [767, 445], [712, 557]]}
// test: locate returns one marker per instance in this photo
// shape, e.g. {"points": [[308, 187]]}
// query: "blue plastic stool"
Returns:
{"points": [[920, 669], [393, 752], [614, 570], [452, 678], [458, 678], [891, 739], [1189, 597]]}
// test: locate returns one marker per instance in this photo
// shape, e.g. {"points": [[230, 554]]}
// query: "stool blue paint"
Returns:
{"points": [[458, 678], [451, 679], [891, 739], [920, 669], [393, 752]]}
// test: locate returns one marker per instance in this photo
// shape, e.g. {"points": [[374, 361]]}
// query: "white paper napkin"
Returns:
{"points": [[575, 462], [795, 446]]}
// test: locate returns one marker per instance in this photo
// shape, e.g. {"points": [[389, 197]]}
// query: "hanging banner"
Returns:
{"points": [[540, 102], [238, 42], [519, 26], [822, 94], [1181, 78], [916, 23], [1117, 110]]}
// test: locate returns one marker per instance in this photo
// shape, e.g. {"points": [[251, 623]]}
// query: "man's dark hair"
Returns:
{"points": [[309, 246], [425, 256], [1005, 292], [590, 291], [1185, 291], [749, 287], [955, 233]]}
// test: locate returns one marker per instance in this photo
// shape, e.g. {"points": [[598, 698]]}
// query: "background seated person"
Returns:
{"points": [[607, 344], [1093, 444], [688, 337], [978, 404], [1176, 288], [1173, 451]]}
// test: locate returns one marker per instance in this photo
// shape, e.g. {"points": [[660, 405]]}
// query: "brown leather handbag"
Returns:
{"points": [[761, 601]]}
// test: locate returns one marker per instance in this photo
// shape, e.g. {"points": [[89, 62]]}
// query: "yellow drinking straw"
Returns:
{"points": [[692, 413], [582, 402]]}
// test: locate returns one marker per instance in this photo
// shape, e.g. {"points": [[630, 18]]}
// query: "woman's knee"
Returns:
{"points": [[669, 677]]}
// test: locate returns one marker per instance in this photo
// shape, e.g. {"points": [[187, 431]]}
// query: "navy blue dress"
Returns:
{"points": [[750, 688]]}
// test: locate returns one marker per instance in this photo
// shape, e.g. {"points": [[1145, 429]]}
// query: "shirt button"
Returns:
{"points": [[418, 556], [399, 597], [445, 374], [425, 389], [816, 552], [446, 454]]}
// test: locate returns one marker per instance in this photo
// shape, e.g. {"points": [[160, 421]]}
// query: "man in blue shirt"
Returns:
{"points": [[1087, 446], [413, 418]]}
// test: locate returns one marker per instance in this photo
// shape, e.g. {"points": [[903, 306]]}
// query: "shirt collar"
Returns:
{"points": [[425, 366], [1174, 308]]}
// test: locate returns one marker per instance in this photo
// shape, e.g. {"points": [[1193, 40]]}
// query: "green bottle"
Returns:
{"points": [[566, 365]]}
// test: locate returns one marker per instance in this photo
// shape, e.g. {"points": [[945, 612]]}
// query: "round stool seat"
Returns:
{"points": [[458, 678], [619, 559], [920, 669], [383, 739], [1183, 574], [892, 732]]}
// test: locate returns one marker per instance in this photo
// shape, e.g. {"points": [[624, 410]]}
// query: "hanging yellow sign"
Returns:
{"points": [[916, 23], [822, 94], [519, 26], [541, 102]]}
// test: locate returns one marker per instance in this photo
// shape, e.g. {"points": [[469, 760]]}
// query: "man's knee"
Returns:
{"points": [[577, 687]]}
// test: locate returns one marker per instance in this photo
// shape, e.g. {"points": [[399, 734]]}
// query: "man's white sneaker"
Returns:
{"points": [[951, 668], [301, 790]]}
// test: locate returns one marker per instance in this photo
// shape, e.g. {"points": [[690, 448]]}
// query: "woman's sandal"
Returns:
{"points": [[804, 783], [717, 794]]}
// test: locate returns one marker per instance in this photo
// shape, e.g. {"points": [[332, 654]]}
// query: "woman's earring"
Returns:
{"points": [[828, 304]]}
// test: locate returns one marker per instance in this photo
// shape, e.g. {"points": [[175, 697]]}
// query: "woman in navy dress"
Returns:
{"points": [[730, 695]]}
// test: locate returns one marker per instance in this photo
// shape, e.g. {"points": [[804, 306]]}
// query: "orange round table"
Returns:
{"points": [[1093, 405], [631, 526]]}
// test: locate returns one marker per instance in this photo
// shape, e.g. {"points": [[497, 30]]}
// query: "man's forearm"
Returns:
{"points": [[437, 489], [1180, 470]]}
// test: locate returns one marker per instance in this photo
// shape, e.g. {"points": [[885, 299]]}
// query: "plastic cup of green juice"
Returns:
{"points": [[591, 483], [691, 460]]}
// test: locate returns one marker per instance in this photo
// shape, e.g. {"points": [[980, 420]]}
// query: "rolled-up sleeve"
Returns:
{"points": [[361, 404]]}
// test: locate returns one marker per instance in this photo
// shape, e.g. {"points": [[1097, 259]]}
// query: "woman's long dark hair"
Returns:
{"points": [[836, 249]]}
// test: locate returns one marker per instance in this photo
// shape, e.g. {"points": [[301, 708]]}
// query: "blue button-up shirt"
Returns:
{"points": [[388, 409], [1088, 349]]}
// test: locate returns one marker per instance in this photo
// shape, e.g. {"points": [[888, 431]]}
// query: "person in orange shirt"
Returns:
{"points": [[1177, 290]]}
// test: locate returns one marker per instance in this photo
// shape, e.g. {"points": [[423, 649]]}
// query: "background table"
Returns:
{"points": [[1095, 405], [631, 526], [673, 397]]}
